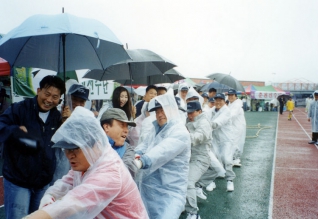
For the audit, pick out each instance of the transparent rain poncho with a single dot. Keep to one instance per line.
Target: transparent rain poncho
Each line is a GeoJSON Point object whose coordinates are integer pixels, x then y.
{"type": "Point", "coordinates": [106, 189]}
{"type": "Point", "coordinates": [313, 114]}
{"type": "Point", "coordinates": [183, 103]}
{"type": "Point", "coordinates": [163, 185]}
{"type": "Point", "coordinates": [238, 124]}
{"type": "Point", "coordinates": [193, 93]}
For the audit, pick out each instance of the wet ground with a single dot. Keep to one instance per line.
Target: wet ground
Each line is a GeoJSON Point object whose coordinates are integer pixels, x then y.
{"type": "Point", "coordinates": [252, 185]}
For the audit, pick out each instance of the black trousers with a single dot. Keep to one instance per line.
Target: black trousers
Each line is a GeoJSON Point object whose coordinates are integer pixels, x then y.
{"type": "Point", "coordinates": [314, 136]}
{"type": "Point", "coordinates": [281, 108]}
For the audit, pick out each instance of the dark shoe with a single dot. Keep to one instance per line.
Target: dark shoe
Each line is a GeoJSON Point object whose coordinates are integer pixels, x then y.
{"type": "Point", "coordinates": [311, 142]}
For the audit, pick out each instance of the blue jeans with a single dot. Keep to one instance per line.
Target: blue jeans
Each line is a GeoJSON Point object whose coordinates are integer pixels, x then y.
{"type": "Point", "coordinates": [20, 202]}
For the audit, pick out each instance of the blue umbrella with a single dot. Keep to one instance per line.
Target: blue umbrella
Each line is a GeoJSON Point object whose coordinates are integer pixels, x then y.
{"type": "Point", "coordinates": [62, 43]}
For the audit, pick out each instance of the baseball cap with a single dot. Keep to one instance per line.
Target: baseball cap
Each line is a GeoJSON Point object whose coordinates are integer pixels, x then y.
{"type": "Point", "coordinates": [231, 91]}
{"type": "Point", "coordinates": [178, 100]}
{"type": "Point", "coordinates": [211, 100]}
{"type": "Point", "coordinates": [205, 95]}
{"type": "Point", "coordinates": [185, 88]}
{"type": "Point", "coordinates": [78, 90]}
{"type": "Point", "coordinates": [64, 145]}
{"type": "Point", "coordinates": [219, 95]}
{"type": "Point", "coordinates": [117, 114]}
{"type": "Point", "coordinates": [193, 106]}
{"type": "Point", "coordinates": [193, 97]}
{"type": "Point", "coordinates": [153, 105]}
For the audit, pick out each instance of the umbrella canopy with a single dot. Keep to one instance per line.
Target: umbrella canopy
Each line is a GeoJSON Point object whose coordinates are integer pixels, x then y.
{"type": "Point", "coordinates": [228, 80]}
{"type": "Point", "coordinates": [169, 76]}
{"type": "Point", "coordinates": [144, 63]}
{"type": "Point", "coordinates": [62, 43]}
{"type": "Point", "coordinates": [4, 67]}
{"type": "Point", "coordinates": [219, 87]}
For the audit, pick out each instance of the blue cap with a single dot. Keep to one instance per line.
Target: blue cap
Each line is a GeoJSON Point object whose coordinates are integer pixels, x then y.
{"type": "Point", "coordinates": [220, 96]}
{"type": "Point", "coordinates": [156, 106]}
{"type": "Point", "coordinates": [211, 100]}
{"type": "Point", "coordinates": [193, 106]}
{"type": "Point", "coordinates": [205, 95]}
{"type": "Point", "coordinates": [178, 100]}
{"type": "Point", "coordinates": [185, 88]}
{"type": "Point", "coordinates": [231, 91]}
{"type": "Point", "coordinates": [78, 90]}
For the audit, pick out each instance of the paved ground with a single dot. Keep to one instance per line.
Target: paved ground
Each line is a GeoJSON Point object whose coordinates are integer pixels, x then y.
{"type": "Point", "coordinates": [275, 181]}
{"type": "Point", "coordinates": [251, 196]}
{"type": "Point", "coordinates": [296, 169]}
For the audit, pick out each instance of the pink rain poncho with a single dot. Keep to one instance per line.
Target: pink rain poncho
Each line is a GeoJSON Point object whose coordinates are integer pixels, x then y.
{"type": "Point", "coordinates": [106, 189]}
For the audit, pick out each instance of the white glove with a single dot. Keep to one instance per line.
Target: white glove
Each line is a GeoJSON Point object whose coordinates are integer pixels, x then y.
{"type": "Point", "coordinates": [138, 163]}
{"type": "Point", "coordinates": [46, 200]}
{"type": "Point", "coordinates": [214, 125]}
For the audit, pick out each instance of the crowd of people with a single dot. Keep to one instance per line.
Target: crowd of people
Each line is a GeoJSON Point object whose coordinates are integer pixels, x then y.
{"type": "Point", "coordinates": [148, 160]}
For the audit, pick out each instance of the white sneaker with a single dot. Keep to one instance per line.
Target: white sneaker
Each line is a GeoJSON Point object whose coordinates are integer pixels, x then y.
{"type": "Point", "coordinates": [193, 216]}
{"type": "Point", "coordinates": [200, 193]}
{"type": "Point", "coordinates": [230, 186]}
{"type": "Point", "coordinates": [237, 162]}
{"type": "Point", "coordinates": [211, 186]}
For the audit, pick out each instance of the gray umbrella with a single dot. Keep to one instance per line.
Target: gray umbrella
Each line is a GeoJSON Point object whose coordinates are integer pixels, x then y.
{"type": "Point", "coordinates": [228, 80]}
{"type": "Point", "coordinates": [169, 76]}
{"type": "Point", "coordinates": [144, 63]}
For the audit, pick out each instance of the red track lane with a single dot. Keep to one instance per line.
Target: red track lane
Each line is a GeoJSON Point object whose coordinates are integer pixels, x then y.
{"type": "Point", "coordinates": [296, 169]}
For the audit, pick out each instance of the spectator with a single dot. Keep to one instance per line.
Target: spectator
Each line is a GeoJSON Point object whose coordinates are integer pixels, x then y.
{"type": "Point", "coordinates": [98, 185]}
{"type": "Point", "coordinates": [29, 165]}
{"type": "Point", "coordinates": [182, 93]}
{"type": "Point", "coordinates": [121, 99]}
{"type": "Point", "coordinates": [212, 92]}
{"type": "Point", "coordinates": [313, 117]}
{"type": "Point", "coordinates": [290, 107]}
{"type": "Point", "coordinates": [151, 92]}
{"type": "Point", "coordinates": [161, 91]}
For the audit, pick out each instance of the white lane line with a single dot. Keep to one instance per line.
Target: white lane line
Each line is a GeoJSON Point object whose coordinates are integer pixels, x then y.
{"type": "Point", "coordinates": [271, 196]}
{"type": "Point", "coordinates": [296, 168]}
{"type": "Point", "coordinates": [302, 127]}
{"type": "Point", "coordinates": [304, 130]}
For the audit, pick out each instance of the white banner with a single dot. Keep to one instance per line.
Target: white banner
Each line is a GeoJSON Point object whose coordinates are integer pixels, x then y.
{"type": "Point", "coordinates": [99, 90]}
{"type": "Point", "coordinates": [265, 94]}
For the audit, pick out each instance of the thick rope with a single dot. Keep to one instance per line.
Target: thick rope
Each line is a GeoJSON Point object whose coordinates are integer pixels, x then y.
{"type": "Point", "coordinates": [258, 126]}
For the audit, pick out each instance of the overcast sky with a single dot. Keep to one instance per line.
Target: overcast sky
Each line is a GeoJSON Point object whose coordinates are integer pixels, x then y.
{"type": "Point", "coordinates": [271, 41]}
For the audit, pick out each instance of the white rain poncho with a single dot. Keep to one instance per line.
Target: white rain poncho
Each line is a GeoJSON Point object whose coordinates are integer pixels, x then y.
{"type": "Point", "coordinates": [193, 93]}
{"type": "Point", "coordinates": [106, 189]}
{"type": "Point", "coordinates": [308, 103]}
{"type": "Point", "coordinates": [222, 141]}
{"type": "Point", "coordinates": [313, 115]}
{"type": "Point", "coordinates": [183, 103]}
{"type": "Point", "coordinates": [163, 185]}
{"type": "Point", "coordinates": [238, 124]}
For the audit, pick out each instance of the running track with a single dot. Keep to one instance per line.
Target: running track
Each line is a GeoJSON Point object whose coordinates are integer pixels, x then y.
{"type": "Point", "coordinates": [294, 192]}
{"type": "Point", "coordinates": [295, 187]}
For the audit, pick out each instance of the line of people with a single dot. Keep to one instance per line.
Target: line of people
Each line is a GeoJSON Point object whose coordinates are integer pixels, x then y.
{"type": "Point", "coordinates": [72, 165]}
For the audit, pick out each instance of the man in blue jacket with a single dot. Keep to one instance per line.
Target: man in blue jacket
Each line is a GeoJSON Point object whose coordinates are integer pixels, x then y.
{"type": "Point", "coordinates": [26, 128]}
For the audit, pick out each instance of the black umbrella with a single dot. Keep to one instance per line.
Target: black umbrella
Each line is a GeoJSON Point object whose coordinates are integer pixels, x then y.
{"type": "Point", "coordinates": [169, 76]}
{"type": "Point", "coordinates": [144, 63]}
{"type": "Point", "coordinates": [219, 87]}
{"type": "Point", "coordinates": [228, 80]}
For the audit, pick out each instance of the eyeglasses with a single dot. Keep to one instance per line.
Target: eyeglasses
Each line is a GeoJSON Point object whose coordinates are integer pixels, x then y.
{"type": "Point", "coordinates": [73, 151]}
